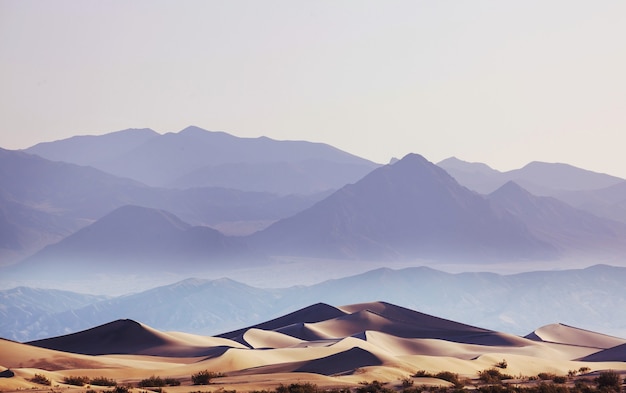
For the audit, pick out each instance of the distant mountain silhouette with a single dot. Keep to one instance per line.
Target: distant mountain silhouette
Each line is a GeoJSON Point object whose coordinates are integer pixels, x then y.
{"type": "Point", "coordinates": [410, 209]}
{"type": "Point", "coordinates": [302, 177]}
{"type": "Point", "coordinates": [23, 306]}
{"type": "Point", "coordinates": [24, 230]}
{"type": "Point", "coordinates": [137, 240]}
{"type": "Point", "coordinates": [476, 176]}
{"type": "Point", "coordinates": [608, 202]}
{"type": "Point", "coordinates": [540, 178]}
{"type": "Point", "coordinates": [515, 303]}
{"type": "Point", "coordinates": [91, 149]}
{"type": "Point", "coordinates": [569, 228]}
{"type": "Point", "coordinates": [558, 176]}
{"type": "Point", "coordinates": [195, 157]}
{"type": "Point", "coordinates": [42, 201]}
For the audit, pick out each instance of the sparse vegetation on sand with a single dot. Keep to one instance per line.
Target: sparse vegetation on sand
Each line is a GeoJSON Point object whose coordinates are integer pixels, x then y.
{"type": "Point", "coordinates": [443, 375]}
{"type": "Point", "coordinates": [41, 380]}
{"type": "Point", "coordinates": [76, 381]}
{"type": "Point", "coordinates": [103, 381]}
{"type": "Point", "coordinates": [205, 377]}
{"type": "Point", "coordinates": [493, 376]}
{"type": "Point", "coordinates": [158, 382]}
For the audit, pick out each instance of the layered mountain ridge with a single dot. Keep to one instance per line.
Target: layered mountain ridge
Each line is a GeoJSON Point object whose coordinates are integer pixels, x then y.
{"type": "Point", "coordinates": [195, 157]}
{"type": "Point", "coordinates": [514, 303]}
{"type": "Point", "coordinates": [408, 210]}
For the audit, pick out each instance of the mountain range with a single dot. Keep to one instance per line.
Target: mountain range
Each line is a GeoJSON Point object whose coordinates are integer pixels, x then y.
{"type": "Point", "coordinates": [406, 211]}
{"type": "Point", "coordinates": [590, 298]}
{"type": "Point", "coordinates": [539, 178]}
{"type": "Point", "coordinates": [597, 193]}
{"type": "Point", "coordinates": [134, 209]}
{"type": "Point", "coordinates": [195, 157]}
{"type": "Point", "coordinates": [410, 209]}
{"type": "Point", "coordinates": [43, 201]}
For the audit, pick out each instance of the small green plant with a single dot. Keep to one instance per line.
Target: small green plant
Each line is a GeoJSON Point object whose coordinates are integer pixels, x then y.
{"type": "Point", "coordinates": [76, 381]}
{"type": "Point", "coordinates": [41, 379]}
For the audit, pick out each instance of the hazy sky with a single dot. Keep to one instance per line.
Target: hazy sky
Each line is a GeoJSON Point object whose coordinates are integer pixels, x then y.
{"type": "Point", "coordinates": [500, 82]}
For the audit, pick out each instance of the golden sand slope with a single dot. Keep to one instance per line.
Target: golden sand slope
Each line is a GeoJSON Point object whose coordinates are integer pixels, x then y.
{"type": "Point", "coordinates": [321, 344]}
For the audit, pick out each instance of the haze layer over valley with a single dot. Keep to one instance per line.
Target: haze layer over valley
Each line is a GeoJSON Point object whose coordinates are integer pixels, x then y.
{"type": "Point", "coordinates": [68, 221]}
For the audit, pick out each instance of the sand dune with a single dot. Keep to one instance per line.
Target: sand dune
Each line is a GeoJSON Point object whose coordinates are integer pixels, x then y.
{"type": "Point", "coordinates": [563, 334]}
{"type": "Point", "coordinates": [322, 344]}
{"type": "Point", "coordinates": [615, 354]}
{"type": "Point", "coordinates": [130, 337]}
{"type": "Point", "coordinates": [314, 313]}
{"type": "Point", "coordinates": [258, 338]}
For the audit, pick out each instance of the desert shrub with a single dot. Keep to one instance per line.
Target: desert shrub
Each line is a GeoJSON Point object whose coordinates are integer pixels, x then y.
{"type": "Point", "coordinates": [407, 382]}
{"type": "Point", "coordinates": [297, 388]}
{"type": "Point", "coordinates": [609, 381]}
{"type": "Point", "coordinates": [171, 382]}
{"type": "Point", "coordinates": [546, 376]}
{"type": "Point", "coordinates": [559, 379]}
{"type": "Point", "coordinates": [493, 375]}
{"type": "Point", "coordinates": [204, 377]}
{"type": "Point", "coordinates": [494, 389]}
{"type": "Point", "coordinates": [422, 373]}
{"type": "Point", "coordinates": [121, 389]}
{"type": "Point", "coordinates": [373, 387]}
{"type": "Point", "coordinates": [551, 388]}
{"type": "Point", "coordinates": [158, 382]}
{"type": "Point", "coordinates": [76, 381]}
{"type": "Point", "coordinates": [582, 386]}
{"type": "Point", "coordinates": [503, 364]}
{"type": "Point", "coordinates": [153, 381]}
{"type": "Point", "coordinates": [41, 379]}
{"type": "Point", "coordinates": [103, 381]}
{"type": "Point", "coordinates": [450, 377]}
{"type": "Point", "coordinates": [583, 370]}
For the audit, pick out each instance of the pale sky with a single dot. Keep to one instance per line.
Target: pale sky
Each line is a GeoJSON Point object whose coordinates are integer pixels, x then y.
{"type": "Point", "coordinates": [499, 82]}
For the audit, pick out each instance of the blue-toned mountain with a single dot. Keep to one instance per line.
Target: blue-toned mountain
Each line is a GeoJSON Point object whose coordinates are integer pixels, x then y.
{"type": "Point", "coordinates": [410, 209]}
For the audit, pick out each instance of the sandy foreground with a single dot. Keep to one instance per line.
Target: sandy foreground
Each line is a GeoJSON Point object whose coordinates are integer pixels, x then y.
{"type": "Point", "coordinates": [330, 347]}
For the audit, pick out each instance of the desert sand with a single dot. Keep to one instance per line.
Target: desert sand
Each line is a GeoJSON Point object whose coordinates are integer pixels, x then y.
{"type": "Point", "coordinates": [321, 344]}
